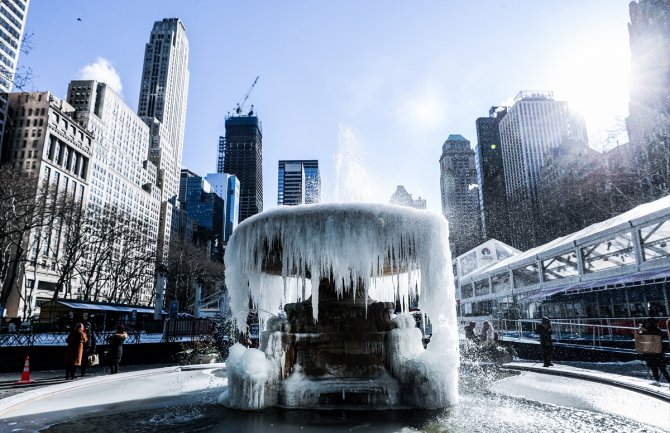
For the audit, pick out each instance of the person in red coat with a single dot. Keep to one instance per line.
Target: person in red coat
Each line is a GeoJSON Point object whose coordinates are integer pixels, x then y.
{"type": "Point", "coordinates": [75, 350]}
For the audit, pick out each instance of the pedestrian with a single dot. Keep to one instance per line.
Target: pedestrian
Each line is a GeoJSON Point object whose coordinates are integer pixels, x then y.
{"type": "Point", "coordinates": [470, 332]}
{"type": "Point", "coordinates": [487, 332]}
{"type": "Point", "coordinates": [75, 350]}
{"type": "Point", "coordinates": [546, 344]}
{"type": "Point", "coordinates": [115, 352]}
{"type": "Point", "coordinates": [89, 347]}
{"type": "Point", "coordinates": [655, 360]}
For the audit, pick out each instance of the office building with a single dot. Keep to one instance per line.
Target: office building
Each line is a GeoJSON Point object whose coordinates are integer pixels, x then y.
{"type": "Point", "coordinates": [227, 186]}
{"type": "Point", "coordinates": [299, 182]}
{"type": "Point", "coordinates": [402, 198]}
{"type": "Point", "coordinates": [491, 176]}
{"type": "Point", "coordinates": [242, 150]}
{"type": "Point", "coordinates": [535, 124]}
{"type": "Point", "coordinates": [44, 139]}
{"type": "Point", "coordinates": [162, 106]}
{"type": "Point", "coordinates": [13, 15]}
{"type": "Point", "coordinates": [460, 198]}
{"type": "Point", "coordinates": [204, 207]}
{"type": "Point", "coordinates": [123, 180]}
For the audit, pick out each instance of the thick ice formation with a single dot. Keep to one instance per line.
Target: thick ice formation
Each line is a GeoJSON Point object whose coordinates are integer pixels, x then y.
{"type": "Point", "coordinates": [348, 242]}
{"type": "Point", "coordinates": [395, 253]}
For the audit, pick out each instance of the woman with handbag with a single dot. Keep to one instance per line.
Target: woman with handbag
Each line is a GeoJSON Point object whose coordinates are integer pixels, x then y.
{"type": "Point", "coordinates": [75, 350]}
{"type": "Point", "coordinates": [89, 355]}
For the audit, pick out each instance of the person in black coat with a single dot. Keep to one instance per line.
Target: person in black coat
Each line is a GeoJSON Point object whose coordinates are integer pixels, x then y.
{"type": "Point", "coordinates": [89, 347]}
{"type": "Point", "coordinates": [546, 343]}
{"type": "Point", "coordinates": [655, 361]}
{"type": "Point", "coordinates": [115, 352]}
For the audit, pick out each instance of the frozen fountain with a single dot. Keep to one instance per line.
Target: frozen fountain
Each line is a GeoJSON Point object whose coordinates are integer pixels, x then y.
{"type": "Point", "coordinates": [339, 271]}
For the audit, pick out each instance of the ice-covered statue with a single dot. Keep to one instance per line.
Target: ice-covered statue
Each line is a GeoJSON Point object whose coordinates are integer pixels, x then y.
{"type": "Point", "coordinates": [339, 271]}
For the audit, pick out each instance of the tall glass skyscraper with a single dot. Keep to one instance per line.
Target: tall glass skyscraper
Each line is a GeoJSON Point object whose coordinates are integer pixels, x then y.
{"type": "Point", "coordinates": [298, 182]}
{"type": "Point", "coordinates": [227, 186]}
{"type": "Point", "coordinates": [162, 106]}
{"type": "Point", "coordinates": [242, 150]}
{"type": "Point", "coordinates": [13, 14]}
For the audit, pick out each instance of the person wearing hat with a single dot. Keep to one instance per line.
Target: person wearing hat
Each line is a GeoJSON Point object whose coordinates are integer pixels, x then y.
{"type": "Point", "coordinates": [655, 361]}
{"type": "Point", "coordinates": [545, 332]}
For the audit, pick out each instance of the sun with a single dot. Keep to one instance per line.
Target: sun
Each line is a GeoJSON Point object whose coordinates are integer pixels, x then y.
{"type": "Point", "coordinates": [594, 78]}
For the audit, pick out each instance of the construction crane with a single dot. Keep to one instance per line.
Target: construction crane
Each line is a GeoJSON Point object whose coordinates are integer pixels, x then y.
{"type": "Point", "coordinates": [240, 105]}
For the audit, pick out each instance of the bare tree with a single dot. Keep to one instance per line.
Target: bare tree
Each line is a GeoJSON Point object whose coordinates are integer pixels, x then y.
{"type": "Point", "coordinates": [189, 265]}
{"type": "Point", "coordinates": [27, 208]}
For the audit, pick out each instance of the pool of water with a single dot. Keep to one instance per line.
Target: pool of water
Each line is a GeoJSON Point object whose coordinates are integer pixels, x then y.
{"type": "Point", "coordinates": [527, 402]}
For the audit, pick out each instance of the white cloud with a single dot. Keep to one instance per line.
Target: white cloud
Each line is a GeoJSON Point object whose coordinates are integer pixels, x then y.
{"type": "Point", "coordinates": [103, 71]}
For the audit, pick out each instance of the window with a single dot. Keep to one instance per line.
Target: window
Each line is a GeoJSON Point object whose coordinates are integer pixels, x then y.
{"type": "Point", "coordinates": [612, 253]}
{"type": "Point", "coordinates": [655, 241]}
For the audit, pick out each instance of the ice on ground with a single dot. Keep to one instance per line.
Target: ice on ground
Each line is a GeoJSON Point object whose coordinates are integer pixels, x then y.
{"type": "Point", "coordinates": [252, 379]}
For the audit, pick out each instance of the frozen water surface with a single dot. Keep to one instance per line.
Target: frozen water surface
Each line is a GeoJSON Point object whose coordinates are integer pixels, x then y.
{"type": "Point", "coordinates": [521, 403]}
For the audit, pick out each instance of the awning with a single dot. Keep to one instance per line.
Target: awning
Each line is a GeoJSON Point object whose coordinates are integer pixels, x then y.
{"type": "Point", "coordinates": [105, 307]}
{"type": "Point", "coordinates": [600, 283]}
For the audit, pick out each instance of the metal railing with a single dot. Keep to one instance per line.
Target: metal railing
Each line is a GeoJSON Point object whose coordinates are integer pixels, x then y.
{"type": "Point", "coordinates": [598, 332]}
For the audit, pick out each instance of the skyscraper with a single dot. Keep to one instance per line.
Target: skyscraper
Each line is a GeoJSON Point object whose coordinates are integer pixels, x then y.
{"type": "Point", "coordinates": [162, 106]}
{"type": "Point", "coordinates": [460, 199]}
{"type": "Point", "coordinates": [12, 22]}
{"type": "Point", "coordinates": [535, 124]}
{"type": "Point", "coordinates": [242, 150]}
{"type": "Point", "coordinates": [123, 179]}
{"type": "Point", "coordinates": [298, 182]}
{"type": "Point", "coordinates": [491, 176]}
{"type": "Point", "coordinates": [649, 105]}
{"type": "Point", "coordinates": [227, 186]}
{"type": "Point", "coordinates": [206, 208]}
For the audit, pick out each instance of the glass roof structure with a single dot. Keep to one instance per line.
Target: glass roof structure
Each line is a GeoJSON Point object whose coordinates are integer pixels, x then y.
{"type": "Point", "coordinates": [632, 246]}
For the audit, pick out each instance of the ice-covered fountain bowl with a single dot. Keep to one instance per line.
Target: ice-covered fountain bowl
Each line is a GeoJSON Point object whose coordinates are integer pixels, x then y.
{"type": "Point", "coordinates": [345, 276]}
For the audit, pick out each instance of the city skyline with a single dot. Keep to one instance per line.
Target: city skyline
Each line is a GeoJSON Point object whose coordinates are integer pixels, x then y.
{"type": "Point", "coordinates": [401, 85]}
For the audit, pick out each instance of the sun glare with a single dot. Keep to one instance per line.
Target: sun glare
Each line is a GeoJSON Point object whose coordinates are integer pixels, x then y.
{"type": "Point", "coordinates": [594, 80]}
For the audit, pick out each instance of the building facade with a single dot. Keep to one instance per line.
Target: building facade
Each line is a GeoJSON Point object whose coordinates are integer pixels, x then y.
{"type": "Point", "coordinates": [535, 124]}
{"type": "Point", "coordinates": [491, 176]}
{"type": "Point", "coordinates": [162, 106]}
{"type": "Point", "coordinates": [402, 198]}
{"type": "Point", "coordinates": [123, 179]}
{"type": "Point", "coordinates": [44, 140]}
{"type": "Point", "coordinates": [13, 15]}
{"type": "Point", "coordinates": [460, 198]}
{"type": "Point", "coordinates": [227, 186]}
{"type": "Point", "coordinates": [204, 206]}
{"type": "Point", "coordinates": [298, 182]}
{"type": "Point", "coordinates": [242, 149]}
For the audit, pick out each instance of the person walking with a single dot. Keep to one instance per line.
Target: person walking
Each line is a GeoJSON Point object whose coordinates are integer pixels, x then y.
{"type": "Point", "coordinates": [546, 343]}
{"type": "Point", "coordinates": [656, 359]}
{"type": "Point", "coordinates": [89, 347]}
{"type": "Point", "coordinates": [115, 352]}
{"type": "Point", "coordinates": [75, 350]}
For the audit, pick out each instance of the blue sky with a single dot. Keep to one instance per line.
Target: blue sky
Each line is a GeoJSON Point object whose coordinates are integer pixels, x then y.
{"type": "Point", "coordinates": [370, 88]}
